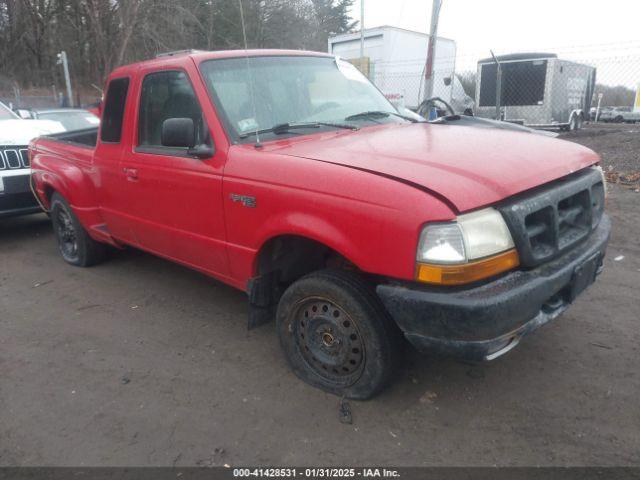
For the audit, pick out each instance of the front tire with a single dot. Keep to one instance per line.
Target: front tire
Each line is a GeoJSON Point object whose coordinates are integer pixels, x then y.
{"type": "Point", "coordinates": [337, 335]}
{"type": "Point", "coordinates": [74, 243]}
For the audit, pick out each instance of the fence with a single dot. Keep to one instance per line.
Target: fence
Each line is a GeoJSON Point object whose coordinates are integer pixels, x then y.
{"type": "Point", "coordinates": [556, 90]}
{"type": "Point", "coordinates": [39, 98]}
{"type": "Point", "coordinates": [30, 101]}
{"type": "Point", "coordinates": [544, 90]}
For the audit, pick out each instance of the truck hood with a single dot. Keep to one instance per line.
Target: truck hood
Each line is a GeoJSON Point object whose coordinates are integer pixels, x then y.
{"type": "Point", "coordinates": [21, 132]}
{"type": "Point", "coordinates": [470, 167]}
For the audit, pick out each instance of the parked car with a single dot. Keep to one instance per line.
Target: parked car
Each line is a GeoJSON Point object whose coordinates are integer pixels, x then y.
{"type": "Point", "coordinates": [70, 118]}
{"type": "Point", "coordinates": [15, 193]}
{"type": "Point", "coordinates": [619, 115]}
{"type": "Point", "coordinates": [287, 175]}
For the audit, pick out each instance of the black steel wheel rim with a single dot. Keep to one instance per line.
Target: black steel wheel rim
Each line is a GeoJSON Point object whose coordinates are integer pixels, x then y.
{"type": "Point", "coordinates": [66, 233]}
{"type": "Point", "coordinates": [328, 340]}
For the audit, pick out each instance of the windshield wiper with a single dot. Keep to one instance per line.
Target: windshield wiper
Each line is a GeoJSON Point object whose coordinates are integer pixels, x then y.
{"type": "Point", "coordinates": [378, 114]}
{"type": "Point", "coordinates": [282, 128]}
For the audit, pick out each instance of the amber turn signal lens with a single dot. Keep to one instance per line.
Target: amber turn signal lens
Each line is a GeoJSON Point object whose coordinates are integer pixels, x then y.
{"type": "Point", "coordinates": [467, 272]}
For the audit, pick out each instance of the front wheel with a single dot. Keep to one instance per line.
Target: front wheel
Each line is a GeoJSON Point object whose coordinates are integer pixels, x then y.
{"type": "Point", "coordinates": [74, 243]}
{"type": "Point", "coordinates": [337, 335]}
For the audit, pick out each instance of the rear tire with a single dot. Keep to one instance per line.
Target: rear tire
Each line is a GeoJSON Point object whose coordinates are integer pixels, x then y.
{"type": "Point", "coordinates": [337, 335]}
{"type": "Point", "coordinates": [74, 243]}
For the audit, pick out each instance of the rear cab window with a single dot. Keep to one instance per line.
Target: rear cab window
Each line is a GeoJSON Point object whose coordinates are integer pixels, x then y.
{"type": "Point", "coordinates": [112, 118]}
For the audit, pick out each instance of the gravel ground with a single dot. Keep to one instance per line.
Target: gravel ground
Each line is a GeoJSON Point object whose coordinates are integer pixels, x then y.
{"type": "Point", "coordinates": [619, 146]}
{"type": "Point", "coordinates": [142, 362]}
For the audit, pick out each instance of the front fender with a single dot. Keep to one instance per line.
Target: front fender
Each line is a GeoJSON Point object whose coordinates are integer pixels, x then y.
{"type": "Point", "coordinates": [312, 227]}
{"type": "Point", "coordinates": [371, 220]}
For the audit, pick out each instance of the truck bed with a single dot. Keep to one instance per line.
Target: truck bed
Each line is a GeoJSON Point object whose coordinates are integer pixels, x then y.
{"type": "Point", "coordinates": [86, 138]}
{"type": "Point", "coordinates": [70, 148]}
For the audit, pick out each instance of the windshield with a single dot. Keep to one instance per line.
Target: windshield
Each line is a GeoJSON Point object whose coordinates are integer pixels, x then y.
{"type": "Point", "coordinates": [6, 114]}
{"type": "Point", "coordinates": [292, 90]}
{"type": "Point", "coordinates": [72, 120]}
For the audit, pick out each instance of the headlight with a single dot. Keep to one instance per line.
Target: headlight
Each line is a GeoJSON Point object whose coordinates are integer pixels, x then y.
{"type": "Point", "coordinates": [477, 245]}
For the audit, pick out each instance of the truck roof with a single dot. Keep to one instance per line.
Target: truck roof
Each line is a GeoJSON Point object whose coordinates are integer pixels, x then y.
{"type": "Point", "coordinates": [201, 55]}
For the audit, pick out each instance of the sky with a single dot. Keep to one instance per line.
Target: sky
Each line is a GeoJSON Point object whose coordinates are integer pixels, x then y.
{"type": "Point", "coordinates": [575, 29]}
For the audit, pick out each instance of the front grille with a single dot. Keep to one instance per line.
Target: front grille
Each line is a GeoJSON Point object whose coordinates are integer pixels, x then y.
{"type": "Point", "coordinates": [13, 158]}
{"type": "Point", "coordinates": [554, 218]}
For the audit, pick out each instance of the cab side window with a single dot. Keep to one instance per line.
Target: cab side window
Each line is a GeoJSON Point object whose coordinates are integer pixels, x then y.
{"type": "Point", "coordinates": [165, 95]}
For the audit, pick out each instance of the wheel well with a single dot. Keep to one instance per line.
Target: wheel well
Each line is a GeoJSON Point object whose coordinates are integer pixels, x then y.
{"type": "Point", "coordinates": [280, 262]}
{"type": "Point", "coordinates": [294, 256]}
{"type": "Point", "coordinates": [48, 193]}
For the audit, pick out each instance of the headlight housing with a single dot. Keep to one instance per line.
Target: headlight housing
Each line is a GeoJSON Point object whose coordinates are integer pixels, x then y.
{"type": "Point", "coordinates": [476, 246]}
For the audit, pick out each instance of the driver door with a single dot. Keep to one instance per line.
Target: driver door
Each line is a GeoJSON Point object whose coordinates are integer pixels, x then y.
{"type": "Point", "coordinates": [174, 199]}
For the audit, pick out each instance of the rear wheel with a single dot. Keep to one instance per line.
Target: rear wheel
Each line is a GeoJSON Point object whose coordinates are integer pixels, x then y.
{"type": "Point", "coordinates": [74, 243]}
{"type": "Point", "coordinates": [337, 335]}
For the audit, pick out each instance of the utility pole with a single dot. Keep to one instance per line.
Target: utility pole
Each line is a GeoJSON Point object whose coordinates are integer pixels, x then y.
{"type": "Point", "coordinates": [362, 30]}
{"type": "Point", "coordinates": [431, 50]}
{"type": "Point", "coordinates": [62, 60]}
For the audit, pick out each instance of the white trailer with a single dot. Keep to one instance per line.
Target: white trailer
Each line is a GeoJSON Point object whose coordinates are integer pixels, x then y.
{"type": "Point", "coordinates": [397, 60]}
{"type": "Point", "coordinates": [536, 89]}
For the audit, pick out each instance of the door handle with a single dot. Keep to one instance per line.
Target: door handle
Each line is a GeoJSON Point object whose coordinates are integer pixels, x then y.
{"type": "Point", "coordinates": [131, 173]}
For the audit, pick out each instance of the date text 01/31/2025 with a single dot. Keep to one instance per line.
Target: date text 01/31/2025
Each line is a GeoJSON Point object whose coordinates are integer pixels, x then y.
{"type": "Point", "coordinates": [315, 473]}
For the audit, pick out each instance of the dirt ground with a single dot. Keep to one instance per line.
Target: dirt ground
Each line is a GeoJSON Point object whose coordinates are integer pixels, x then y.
{"type": "Point", "coordinates": [619, 146]}
{"type": "Point", "coordinates": [142, 362]}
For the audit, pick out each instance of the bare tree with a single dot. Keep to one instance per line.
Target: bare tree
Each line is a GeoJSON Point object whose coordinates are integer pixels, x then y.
{"type": "Point", "coordinates": [99, 35]}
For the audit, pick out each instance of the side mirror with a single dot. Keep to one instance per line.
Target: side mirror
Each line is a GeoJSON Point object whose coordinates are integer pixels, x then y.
{"type": "Point", "coordinates": [447, 81]}
{"type": "Point", "coordinates": [178, 132]}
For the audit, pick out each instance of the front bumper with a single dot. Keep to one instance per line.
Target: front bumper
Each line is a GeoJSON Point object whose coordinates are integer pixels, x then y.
{"type": "Point", "coordinates": [15, 194]}
{"type": "Point", "coordinates": [486, 321]}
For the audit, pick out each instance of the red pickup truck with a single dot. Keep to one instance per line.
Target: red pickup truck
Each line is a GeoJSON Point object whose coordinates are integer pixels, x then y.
{"type": "Point", "coordinates": [289, 176]}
